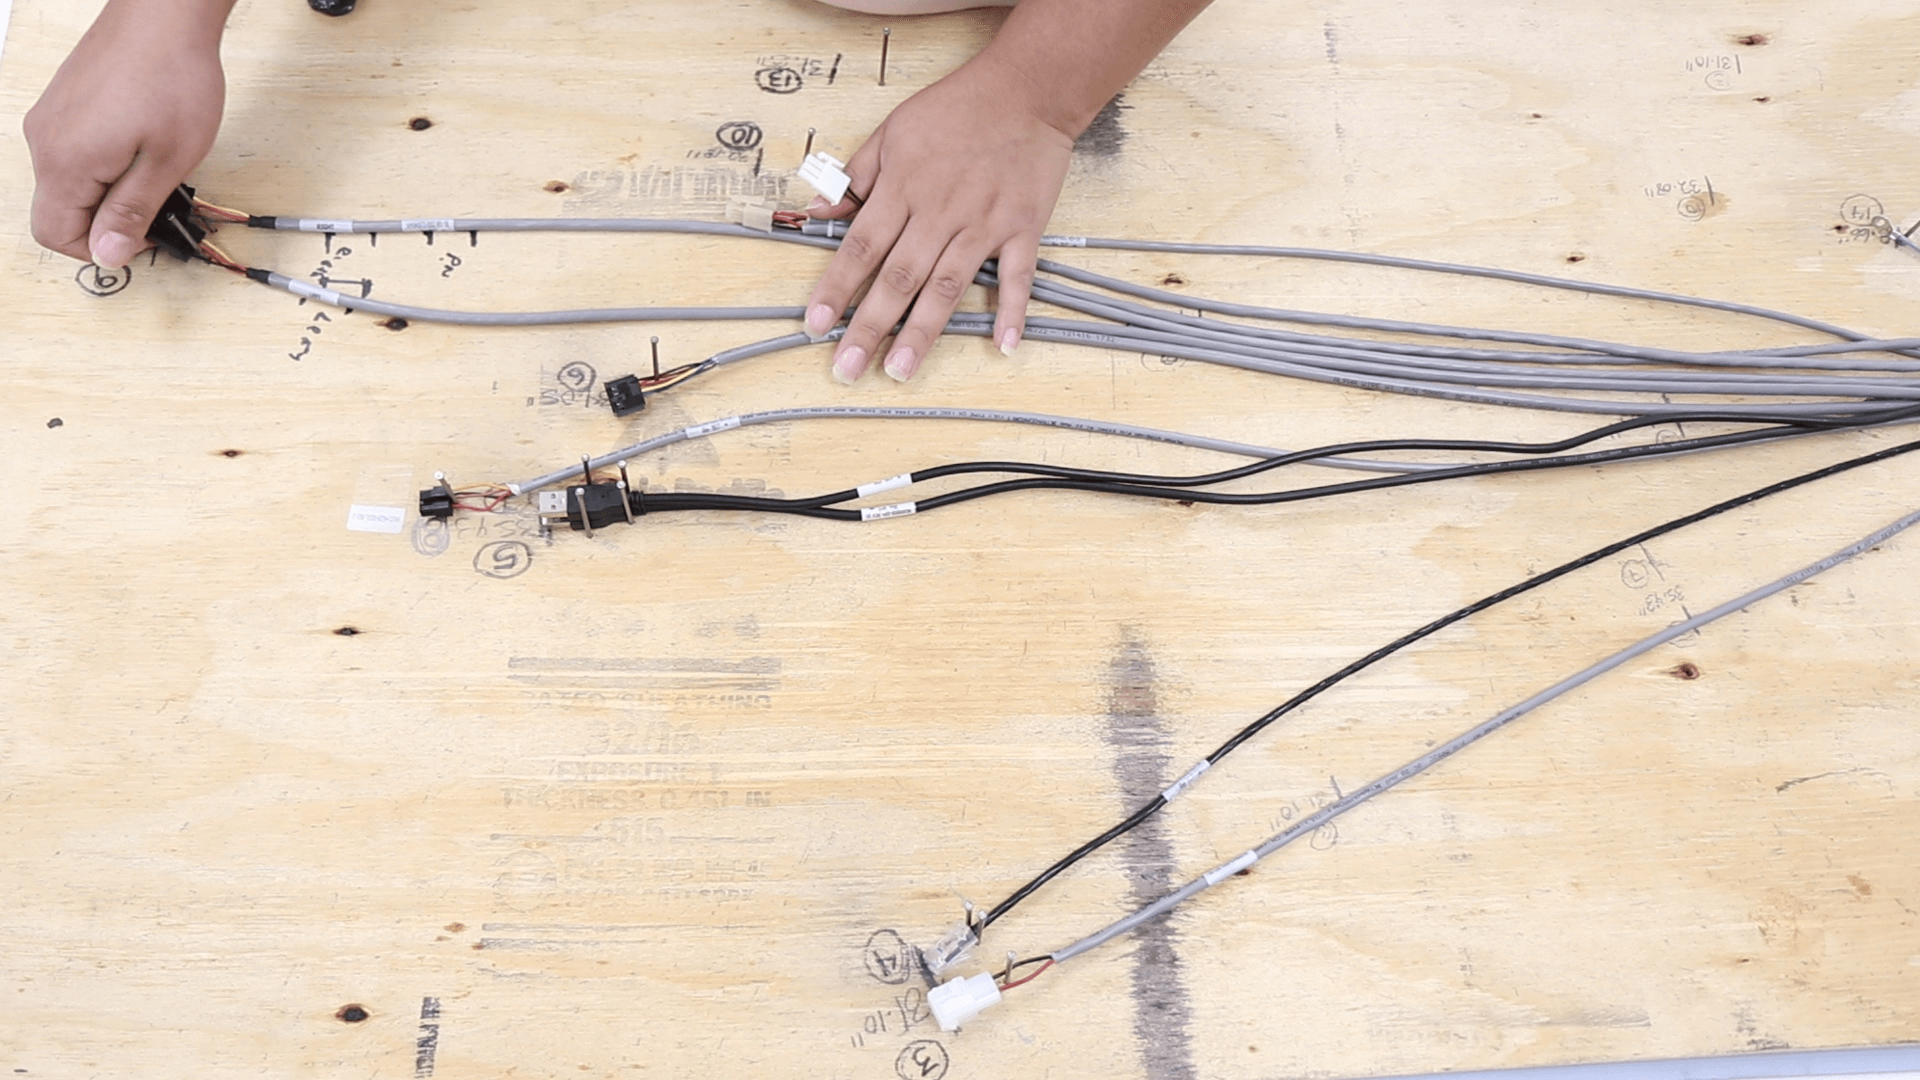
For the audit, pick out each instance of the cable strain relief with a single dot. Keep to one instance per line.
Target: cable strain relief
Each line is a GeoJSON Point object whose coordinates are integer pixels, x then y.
{"type": "Point", "coordinates": [261, 276]}
{"type": "Point", "coordinates": [637, 499]}
{"type": "Point", "coordinates": [262, 221]}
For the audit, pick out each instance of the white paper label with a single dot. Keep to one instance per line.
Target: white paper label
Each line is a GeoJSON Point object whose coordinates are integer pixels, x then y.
{"type": "Point", "coordinates": [708, 428]}
{"type": "Point", "coordinates": [1064, 241]}
{"type": "Point", "coordinates": [881, 513]}
{"type": "Point", "coordinates": [324, 225]}
{"type": "Point", "coordinates": [1174, 789]}
{"type": "Point", "coordinates": [325, 296]}
{"type": "Point", "coordinates": [889, 484]}
{"type": "Point", "coordinates": [434, 224]}
{"type": "Point", "coordinates": [1220, 873]}
{"type": "Point", "coordinates": [375, 519]}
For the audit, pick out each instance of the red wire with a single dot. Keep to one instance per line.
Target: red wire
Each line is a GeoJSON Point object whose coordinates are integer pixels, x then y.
{"type": "Point", "coordinates": [1022, 982]}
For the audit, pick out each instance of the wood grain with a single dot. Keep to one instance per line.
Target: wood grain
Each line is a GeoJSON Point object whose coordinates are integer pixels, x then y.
{"type": "Point", "coordinates": [642, 808]}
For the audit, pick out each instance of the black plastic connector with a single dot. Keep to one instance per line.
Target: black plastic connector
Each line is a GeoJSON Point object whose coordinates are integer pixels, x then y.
{"type": "Point", "coordinates": [599, 505]}
{"type": "Point", "coordinates": [624, 395]}
{"type": "Point", "coordinates": [335, 8]}
{"type": "Point", "coordinates": [586, 507]}
{"type": "Point", "coordinates": [174, 229]}
{"type": "Point", "coordinates": [437, 502]}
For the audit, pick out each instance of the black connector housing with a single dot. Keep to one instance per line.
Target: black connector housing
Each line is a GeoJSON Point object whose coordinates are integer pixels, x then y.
{"type": "Point", "coordinates": [336, 8]}
{"type": "Point", "coordinates": [437, 502]}
{"type": "Point", "coordinates": [174, 229]}
{"type": "Point", "coordinates": [586, 507]}
{"type": "Point", "coordinates": [624, 396]}
{"type": "Point", "coordinates": [599, 505]}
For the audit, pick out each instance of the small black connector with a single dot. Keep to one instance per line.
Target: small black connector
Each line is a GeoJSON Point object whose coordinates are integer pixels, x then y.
{"type": "Point", "coordinates": [624, 396]}
{"type": "Point", "coordinates": [173, 227]}
{"type": "Point", "coordinates": [335, 8]}
{"type": "Point", "coordinates": [437, 502]}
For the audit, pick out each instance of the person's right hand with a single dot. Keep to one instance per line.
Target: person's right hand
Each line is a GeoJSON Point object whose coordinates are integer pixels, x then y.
{"type": "Point", "coordinates": [125, 119]}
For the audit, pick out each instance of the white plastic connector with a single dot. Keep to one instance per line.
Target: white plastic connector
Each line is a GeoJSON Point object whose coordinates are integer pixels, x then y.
{"type": "Point", "coordinates": [959, 1000]}
{"type": "Point", "coordinates": [827, 174]}
{"type": "Point", "coordinates": [951, 948]}
{"type": "Point", "coordinates": [752, 213]}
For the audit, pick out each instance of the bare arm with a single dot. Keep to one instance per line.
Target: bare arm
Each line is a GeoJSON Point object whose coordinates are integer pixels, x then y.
{"type": "Point", "coordinates": [971, 167]}
{"type": "Point", "coordinates": [128, 115]}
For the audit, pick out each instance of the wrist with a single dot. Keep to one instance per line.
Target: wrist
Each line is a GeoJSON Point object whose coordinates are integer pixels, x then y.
{"type": "Point", "coordinates": [1018, 86]}
{"type": "Point", "coordinates": [191, 22]}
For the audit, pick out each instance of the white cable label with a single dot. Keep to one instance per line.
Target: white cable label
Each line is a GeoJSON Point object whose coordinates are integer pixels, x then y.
{"type": "Point", "coordinates": [711, 426]}
{"type": "Point", "coordinates": [891, 483]}
{"type": "Point", "coordinates": [1220, 873]}
{"type": "Point", "coordinates": [324, 225]}
{"type": "Point", "coordinates": [432, 224]}
{"type": "Point", "coordinates": [1174, 789]}
{"type": "Point", "coordinates": [375, 519]}
{"type": "Point", "coordinates": [315, 292]}
{"type": "Point", "coordinates": [1063, 241]}
{"type": "Point", "coordinates": [881, 513]}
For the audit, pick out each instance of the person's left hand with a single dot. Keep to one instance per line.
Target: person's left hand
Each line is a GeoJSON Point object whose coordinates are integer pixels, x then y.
{"type": "Point", "coordinates": [961, 171]}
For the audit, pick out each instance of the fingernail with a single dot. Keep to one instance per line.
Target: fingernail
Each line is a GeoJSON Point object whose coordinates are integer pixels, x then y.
{"type": "Point", "coordinates": [850, 362]}
{"type": "Point", "coordinates": [819, 320]}
{"type": "Point", "coordinates": [1009, 341]}
{"type": "Point", "coordinates": [819, 203]}
{"type": "Point", "coordinates": [901, 364]}
{"type": "Point", "coordinates": [112, 251]}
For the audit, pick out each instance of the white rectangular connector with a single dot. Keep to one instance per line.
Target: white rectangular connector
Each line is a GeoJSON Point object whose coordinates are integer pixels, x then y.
{"type": "Point", "coordinates": [827, 174]}
{"type": "Point", "coordinates": [959, 1000]}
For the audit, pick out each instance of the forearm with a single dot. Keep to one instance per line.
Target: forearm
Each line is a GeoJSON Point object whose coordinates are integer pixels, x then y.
{"type": "Point", "coordinates": [1068, 58]}
{"type": "Point", "coordinates": [186, 21]}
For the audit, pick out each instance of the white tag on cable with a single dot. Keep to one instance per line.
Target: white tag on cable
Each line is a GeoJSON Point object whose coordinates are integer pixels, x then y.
{"type": "Point", "coordinates": [315, 292]}
{"type": "Point", "coordinates": [436, 224]}
{"type": "Point", "coordinates": [324, 225]}
{"type": "Point", "coordinates": [891, 483]}
{"type": "Point", "coordinates": [1174, 789]}
{"type": "Point", "coordinates": [1226, 870]}
{"type": "Point", "coordinates": [881, 513]}
{"type": "Point", "coordinates": [1063, 241]}
{"type": "Point", "coordinates": [375, 519]}
{"type": "Point", "coordinates": [711, 426]}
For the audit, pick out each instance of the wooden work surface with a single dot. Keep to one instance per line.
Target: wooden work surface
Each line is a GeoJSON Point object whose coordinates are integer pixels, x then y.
{"type": "Point", "coordinates": [661, 802]}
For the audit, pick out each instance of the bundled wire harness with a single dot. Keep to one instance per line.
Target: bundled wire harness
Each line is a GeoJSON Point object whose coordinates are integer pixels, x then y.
{"type": "Point", "coordinates": [1848, 380]}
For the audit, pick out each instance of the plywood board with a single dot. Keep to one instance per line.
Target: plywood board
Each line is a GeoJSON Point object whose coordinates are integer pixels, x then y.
{"type": "Point", "coordinates": [668, 801]}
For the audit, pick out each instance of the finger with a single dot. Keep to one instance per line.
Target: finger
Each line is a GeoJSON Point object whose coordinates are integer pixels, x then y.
{"type": "Point", "coordinates": [863, 169]}
{"type": "Point", "coordinates": [126, 213]}
{"type": "Point", "coordinates": [1018, 257]}
{"type": "Point", "coordinates": [893, 290]}
{"type": "Point", "coordinates": [938, 298]}
{"type": "Point", "coordinates": [868, 241]}
{"type": "Point", "coordinates": [63, 215]}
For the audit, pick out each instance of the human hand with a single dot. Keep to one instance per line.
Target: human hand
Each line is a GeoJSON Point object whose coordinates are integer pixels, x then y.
{"type": "Point", "coordinates": [961, 171]}
{"type": "Point", "coordinates": [129, 114]}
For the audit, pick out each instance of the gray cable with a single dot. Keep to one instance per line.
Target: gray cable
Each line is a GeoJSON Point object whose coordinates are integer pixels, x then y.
{"type": "Point", "coordinates": [1307, 825]}
{"type": "Point", "coordinates": [1003, 416]}
{"type": "Point", "coordinates": [1767, 1065]}
{"type": "Point", "coordinates": [530, 318]}
{"type": "Point", "coordinates": [1402, 263]}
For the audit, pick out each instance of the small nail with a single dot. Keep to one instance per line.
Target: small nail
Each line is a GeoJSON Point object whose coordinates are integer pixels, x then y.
{"type": "Point", "coordinates": [1009, 341]}
{"type": "Point", "coordinates": [849, 364]}
{"type": "Point", "coordinates": [819, 320]}
{"type": "Point", "coordinates": [901, 364]}
{"type": "Point", "coordinates": [112, 251]}
{"type": "Point", "coordinates": [819, 203]}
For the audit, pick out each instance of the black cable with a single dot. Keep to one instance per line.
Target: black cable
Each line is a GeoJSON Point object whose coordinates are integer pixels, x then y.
{"type": "Point", "coordinates": [1153, 806]}
{"type": "Point", "coordinates": [820, 506]}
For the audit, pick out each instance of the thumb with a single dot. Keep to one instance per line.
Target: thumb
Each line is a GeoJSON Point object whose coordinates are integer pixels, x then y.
{"type": "Point", "coordinates": [120, 225]}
